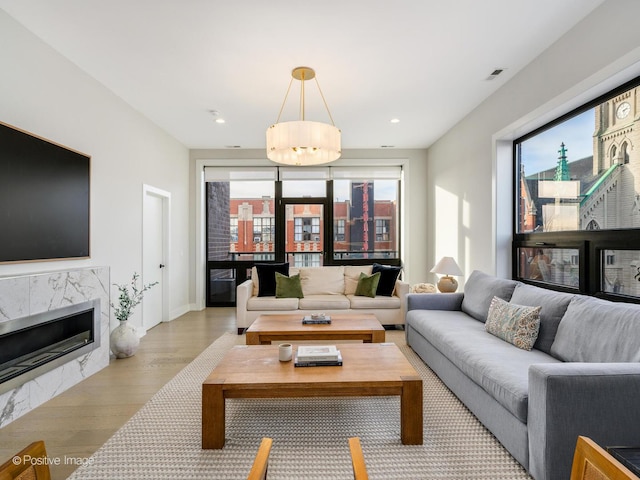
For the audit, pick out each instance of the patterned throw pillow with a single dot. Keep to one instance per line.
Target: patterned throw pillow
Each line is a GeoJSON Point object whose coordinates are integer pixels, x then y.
{"type": "Point", "coordinates": [516, 324]}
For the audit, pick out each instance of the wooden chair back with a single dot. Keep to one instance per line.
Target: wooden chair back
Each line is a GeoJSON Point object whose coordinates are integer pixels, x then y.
{"type": "Point", "coordinates": [261, 462]}
{"type": "Point", "coordinates": [592, 462]}
{"type": "Point", "coordinates": [28, 464]}
{"type": "Point", "coordinates": [357, 459]}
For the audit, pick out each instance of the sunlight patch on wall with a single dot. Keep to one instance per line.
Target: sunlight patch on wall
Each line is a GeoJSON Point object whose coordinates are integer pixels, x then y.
{"type": "Point", "coordinates": [447, 210]}
{"type": "Point", "coordinates": [466, 214]}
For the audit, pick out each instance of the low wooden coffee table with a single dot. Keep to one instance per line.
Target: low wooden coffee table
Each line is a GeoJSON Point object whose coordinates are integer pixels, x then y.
{"type": "Point", "coordinates": [254, 371]}
{"type": "Point", "coordinates": [347, 326]}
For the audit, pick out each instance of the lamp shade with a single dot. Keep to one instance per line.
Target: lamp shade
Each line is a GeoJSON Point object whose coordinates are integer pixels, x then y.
{"type": "Point", "coordinates": [447, 266]}
{"type": "Point", "coordinates": [303, 142]}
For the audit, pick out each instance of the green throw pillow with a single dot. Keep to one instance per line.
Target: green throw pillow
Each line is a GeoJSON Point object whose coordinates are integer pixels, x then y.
{"type": "Point", "coordinates": [367, 285]}
{"type": "Point", "coordinates": [288, 287]}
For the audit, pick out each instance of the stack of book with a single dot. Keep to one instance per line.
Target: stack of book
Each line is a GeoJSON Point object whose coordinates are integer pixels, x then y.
{"type": "Point", "coordinates": [316, 319]}
{"type": "Point", "coordinates": [318, 356]}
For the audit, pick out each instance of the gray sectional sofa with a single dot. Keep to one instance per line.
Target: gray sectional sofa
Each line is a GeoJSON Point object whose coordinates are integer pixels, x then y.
{"type": "Point", "coordinates": [582, 376]}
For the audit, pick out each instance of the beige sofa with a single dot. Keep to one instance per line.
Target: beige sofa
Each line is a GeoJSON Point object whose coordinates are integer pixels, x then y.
{"type": "Point", "coordinates": [326, 289]}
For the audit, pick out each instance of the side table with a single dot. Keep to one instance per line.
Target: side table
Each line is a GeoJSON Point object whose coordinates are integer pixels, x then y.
{"type": "Point", "coordinates": [628, 456]}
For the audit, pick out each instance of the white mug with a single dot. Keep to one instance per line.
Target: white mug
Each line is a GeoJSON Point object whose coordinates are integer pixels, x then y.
{"type": "Point", "coordinates": [285, 352]}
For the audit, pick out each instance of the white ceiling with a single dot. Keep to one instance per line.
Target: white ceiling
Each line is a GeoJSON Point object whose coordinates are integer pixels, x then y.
{"type": "Point", "coordinates": [425, 62]}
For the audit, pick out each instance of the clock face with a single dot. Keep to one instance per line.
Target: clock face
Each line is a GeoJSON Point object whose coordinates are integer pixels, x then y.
{"type": "Point", "coordinates": [623, 110]}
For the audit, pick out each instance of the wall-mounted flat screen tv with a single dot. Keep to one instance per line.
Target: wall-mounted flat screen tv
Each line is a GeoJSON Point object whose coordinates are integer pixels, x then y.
{"type": "Point", "coordinates": [44, 199]}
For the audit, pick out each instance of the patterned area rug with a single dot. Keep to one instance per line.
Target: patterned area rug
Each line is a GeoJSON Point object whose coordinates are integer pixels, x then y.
{"type": "Point", "coordinates": [162, 440]}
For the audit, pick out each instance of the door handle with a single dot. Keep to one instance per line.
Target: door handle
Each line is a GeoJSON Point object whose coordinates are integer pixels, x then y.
{"type": "Point", "coordinates": [162, 265]}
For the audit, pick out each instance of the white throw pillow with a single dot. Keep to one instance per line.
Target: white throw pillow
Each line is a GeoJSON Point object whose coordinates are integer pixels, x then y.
{"type": "Point", "coordinates": [351, 276]}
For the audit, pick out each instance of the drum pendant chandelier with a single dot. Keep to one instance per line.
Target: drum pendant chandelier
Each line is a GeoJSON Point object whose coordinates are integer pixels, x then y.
{"type": "Point", "coordinates": [303, 142]}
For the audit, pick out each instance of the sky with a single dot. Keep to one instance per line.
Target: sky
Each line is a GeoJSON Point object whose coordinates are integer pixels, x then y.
{"type": "Point", "coordinates": [541, 152]}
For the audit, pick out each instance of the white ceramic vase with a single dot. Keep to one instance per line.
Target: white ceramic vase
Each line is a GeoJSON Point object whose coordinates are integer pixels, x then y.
{"type": "Point", "coordinates": [124, 341]}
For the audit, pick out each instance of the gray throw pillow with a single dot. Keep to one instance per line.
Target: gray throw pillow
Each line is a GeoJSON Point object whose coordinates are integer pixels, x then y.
{"type": "Point", "coordinates": [596, 330]}
{"type": "Point", "coordinates": [554, 305]}
{"type": "Point", "coordinates": [480, 289]}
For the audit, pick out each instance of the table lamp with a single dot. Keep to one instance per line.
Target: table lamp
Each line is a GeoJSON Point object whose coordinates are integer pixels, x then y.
{"type": "Point", "coordinates": [447, 266]}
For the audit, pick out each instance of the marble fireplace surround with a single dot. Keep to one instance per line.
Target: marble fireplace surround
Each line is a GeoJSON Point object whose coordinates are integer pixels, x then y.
{"type": "Point", "coordinates": [24, 295]}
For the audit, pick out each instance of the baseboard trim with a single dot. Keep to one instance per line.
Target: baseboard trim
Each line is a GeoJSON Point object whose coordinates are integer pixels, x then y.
{"type": "Point", "coordinates": [178, 312]}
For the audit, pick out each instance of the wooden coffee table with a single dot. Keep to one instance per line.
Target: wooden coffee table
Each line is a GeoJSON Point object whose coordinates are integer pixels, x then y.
{"type": "Point", "coordinates": [346, 326]}
{"type": "Point", "coordinates": [254, 371]}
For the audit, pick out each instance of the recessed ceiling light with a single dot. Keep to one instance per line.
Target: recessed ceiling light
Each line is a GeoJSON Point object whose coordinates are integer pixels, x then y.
{"type": "Point", "coordinates": [395, 120]}
{"type": "Point", "coordinates": [216, 114]}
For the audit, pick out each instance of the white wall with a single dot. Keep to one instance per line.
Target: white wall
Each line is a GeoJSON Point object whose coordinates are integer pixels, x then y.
{"type": "Point", "coordinates": [414, 226]}
{"type": "Point", "coordinates": [469, 175]}
{"type": "Point", "coordinates": [45, 94]}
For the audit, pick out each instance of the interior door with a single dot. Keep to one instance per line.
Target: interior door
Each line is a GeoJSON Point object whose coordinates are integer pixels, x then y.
{"type": "Point", "coordinates": [154, 258]}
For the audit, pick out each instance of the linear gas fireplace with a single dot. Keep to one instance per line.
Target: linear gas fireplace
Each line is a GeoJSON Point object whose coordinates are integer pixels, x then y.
{"type": "Point", "coordinates": [31, 346]}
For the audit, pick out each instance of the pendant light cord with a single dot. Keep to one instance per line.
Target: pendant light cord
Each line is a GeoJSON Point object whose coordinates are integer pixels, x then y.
{"type": "Point", "coordinates": [284, 101]}
{"type": "Point", "coordinates": [302, 100]}
{"type": "Point", "coordinates": [325, 102]}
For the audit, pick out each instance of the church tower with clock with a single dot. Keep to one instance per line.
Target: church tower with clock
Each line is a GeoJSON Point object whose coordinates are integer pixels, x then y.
{"type": "Point", "coordinates": [613, 198]}
{"type": "Point", "coordinates": [617, 131]}
{"type": "Point", "coordinates": [616, 162]}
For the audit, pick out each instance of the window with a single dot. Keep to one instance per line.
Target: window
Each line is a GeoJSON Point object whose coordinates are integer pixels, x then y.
{"type": "Point", "coordinates": [233, 229]}
{"type": "Point", "coordinates": [304, 182]}
{"type": "Point", "coordinates": [558, 266]}
{"type": "Point", "coordinates": [338, 231]}
{"type": "Point", "coordinates": [307, 260]}
{"type": "Point", "coordinates": [621, 272]}
{"type": "Point", "coordinates": [592, 225]}
{"type": "Point", "coordinates": [625, 154]}
{"type": "Point", "coordinates": [263, 229]}
{"type": "Point", "coordinates": [571, 172]}
{"type": "Point", "coordinates": [240, 209]}
{"type": "Point", "coordinates": [578, 183]}
{"type": "Point", "coordinates": [304, 216]}
{"type": "Point", "coordinates": [306, 229]}
{"type": "Point", "coordinates": [382, 230]}
{"type": "Point", "coordinates": [239, 214]}
{"type": "Point", "coordinates": [366, 206]}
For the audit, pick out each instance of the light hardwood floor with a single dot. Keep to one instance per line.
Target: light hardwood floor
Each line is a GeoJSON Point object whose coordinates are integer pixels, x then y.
{"type": "Point", "coordinates": [77, 422]}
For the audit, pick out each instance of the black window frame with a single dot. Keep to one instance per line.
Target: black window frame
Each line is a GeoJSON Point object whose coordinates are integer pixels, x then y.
{"type": "Point", "coordinates": [241, 268]}
{"type": "Point", "coordinates": [590, 243]}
